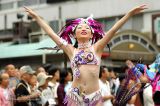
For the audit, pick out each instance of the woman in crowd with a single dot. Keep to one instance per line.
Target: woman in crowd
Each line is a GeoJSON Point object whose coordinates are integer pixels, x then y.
{"type": "Point", "coordinates": [65, 77]}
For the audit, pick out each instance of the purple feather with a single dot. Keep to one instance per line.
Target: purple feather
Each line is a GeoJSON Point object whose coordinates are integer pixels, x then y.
{"type": "Point", "coordinates": [67, 31]}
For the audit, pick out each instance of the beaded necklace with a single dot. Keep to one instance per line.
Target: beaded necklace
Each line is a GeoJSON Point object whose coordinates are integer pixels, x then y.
{"type": "Point", "coordinates": [84, 45]}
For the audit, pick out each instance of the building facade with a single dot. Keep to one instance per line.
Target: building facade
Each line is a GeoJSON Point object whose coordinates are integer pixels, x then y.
{"type": "Point", "coordinates": [138, 38]}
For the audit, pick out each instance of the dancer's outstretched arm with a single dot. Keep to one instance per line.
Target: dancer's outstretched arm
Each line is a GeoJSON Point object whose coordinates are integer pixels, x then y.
{"type": "Point", "coordinates": [49, 31]}
{"type": "Point", "coordinates": [99, 46]}
{"type": "Point", "coordinates": [136, 71]}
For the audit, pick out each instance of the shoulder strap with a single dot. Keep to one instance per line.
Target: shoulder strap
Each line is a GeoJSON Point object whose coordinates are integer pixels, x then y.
{"type": "Point", "coordinates": [19, 84]}
{"type": "Point", "coordinates": [23, 86]}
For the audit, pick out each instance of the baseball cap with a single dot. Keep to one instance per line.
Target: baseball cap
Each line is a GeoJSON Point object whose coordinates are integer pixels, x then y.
{"type": "Point", "coordinates": [27, 69]}
{"type": "Point", "coordinates": [42, 77]}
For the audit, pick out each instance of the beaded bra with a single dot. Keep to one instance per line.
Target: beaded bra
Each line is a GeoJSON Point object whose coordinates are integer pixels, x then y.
{"type": "Point", "coordinates": [84, 58]}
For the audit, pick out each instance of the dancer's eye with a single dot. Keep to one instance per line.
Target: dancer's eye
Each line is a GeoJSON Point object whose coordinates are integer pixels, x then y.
{"type": "Point", "coordinates": [79, 28]}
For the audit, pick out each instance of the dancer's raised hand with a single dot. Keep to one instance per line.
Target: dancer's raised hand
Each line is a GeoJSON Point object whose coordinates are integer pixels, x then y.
{"type": "Point", "coordinates": [31, 13]}
{"type": "Point", "coordinates": [137, 9]}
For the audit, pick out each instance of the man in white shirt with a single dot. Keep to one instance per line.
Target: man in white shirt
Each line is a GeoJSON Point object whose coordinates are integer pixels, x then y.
{"type": "Point", "coordinates": [105, 87]}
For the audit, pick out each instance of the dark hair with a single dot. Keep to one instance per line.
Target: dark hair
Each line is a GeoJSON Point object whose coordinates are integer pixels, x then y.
{"type": "Point", "coordinates": [156, 95]}
{"type": "Point", "coordinates": [110, 69]}
{"type": "Point", "coordinates": [46, 66]}
{"type": "Point", "coordinates": [101, 70]}
{"type": "Point", "coordinates": [76, 44]}
{"type": "Point", "coordinates": [70, 70]}
{"type": "Point", "coordinates": [124, 68]}
{"type": "Point", "coordinates": [122, 76]}
{"type": "Point", "coordinates": [1, 79]}
{"type": "Point", "coordinates": [63, 75]}
{"type": "Point", "coordinates": [52, 70]}
{"type": "Point", "coordinates": [77, 26]}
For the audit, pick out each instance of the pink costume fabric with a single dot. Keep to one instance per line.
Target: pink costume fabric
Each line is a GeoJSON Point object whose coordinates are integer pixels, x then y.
{"type": "Point", "coordinates": [75, 98]}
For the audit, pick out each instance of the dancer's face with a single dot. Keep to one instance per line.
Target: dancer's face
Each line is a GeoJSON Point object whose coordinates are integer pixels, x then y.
{"type": "Point", "coordinates": [83, 31]}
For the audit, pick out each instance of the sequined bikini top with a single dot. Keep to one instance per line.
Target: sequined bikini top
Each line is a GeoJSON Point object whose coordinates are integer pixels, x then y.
{"type": "Point", "coordinates": [85, 58]}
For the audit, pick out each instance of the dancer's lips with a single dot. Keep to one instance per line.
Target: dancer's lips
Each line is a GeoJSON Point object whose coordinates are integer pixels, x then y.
{"type": "Point", "coordinates": [84, 33]}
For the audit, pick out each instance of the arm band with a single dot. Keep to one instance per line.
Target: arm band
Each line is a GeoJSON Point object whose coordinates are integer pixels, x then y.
{"type": "Point", "coordinates": [63, 42]}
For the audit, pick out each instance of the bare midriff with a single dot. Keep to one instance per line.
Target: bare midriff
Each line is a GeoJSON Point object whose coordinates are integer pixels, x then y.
{"type": "Point", "coordinates": [88, 80]}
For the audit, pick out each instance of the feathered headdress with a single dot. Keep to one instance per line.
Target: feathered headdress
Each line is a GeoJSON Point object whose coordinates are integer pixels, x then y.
{"type": "Point", "coordinates": [67, 32]}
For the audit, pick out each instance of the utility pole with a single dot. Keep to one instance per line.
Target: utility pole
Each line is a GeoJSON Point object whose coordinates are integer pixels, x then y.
{"type": "Point", "coordinates": [60, 26]}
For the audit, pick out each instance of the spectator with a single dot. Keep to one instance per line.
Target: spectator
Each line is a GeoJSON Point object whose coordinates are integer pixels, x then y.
{"type": "Point", "coordinates": [11, 71]}
{"type": "Point", "coordinates": [17, 74]}
{"type": "Point", "coordinates": [47, 98]}
{"type": "Point", "coordinates": [122, 82]}
{"type": "Point", "coordinates": [23, 90]}
{"type": "Point", "coordinates": [53, 83]}
{"type": "Point", "coordinates": [114, 81]}
{"type": "Point", "coordinates": [34, 88]}
{"type": "Point", "coordinates": [33, 83]}
{"type": "Point", "coordinates": [105, 87]}
{"type": "Point", "coordinates": [6, 94]}
{"type": "Point", "coordinates": [40, 69]}
{"type": "Point", "coordinates": [69, 83]}
{"type": "Point", "coordinates": [64, 78]}
{"type": "Point", "coordinates": [47, 66]}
